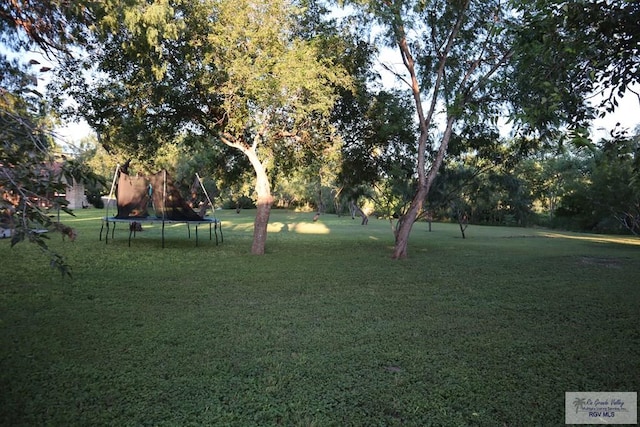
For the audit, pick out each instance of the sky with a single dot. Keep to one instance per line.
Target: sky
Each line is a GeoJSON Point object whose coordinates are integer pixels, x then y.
{"type": "Point", "coordinates": [627, 114]}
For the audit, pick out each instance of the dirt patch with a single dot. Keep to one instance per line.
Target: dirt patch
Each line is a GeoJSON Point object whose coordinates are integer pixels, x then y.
{"type": "Point", "coordinates": [601, 262]}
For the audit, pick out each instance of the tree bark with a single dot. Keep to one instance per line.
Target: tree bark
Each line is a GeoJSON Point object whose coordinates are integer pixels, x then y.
{"type": "Point", "coordinates": [260, 226]}
{"type": "Point", "coordinates": [265, 200]}
{"type": "Point", "coordinates": [263, 192]}
{"type": "Point", "coordinates": [405, 224]}
{"type": "Point", "coordinates": [408, 219]}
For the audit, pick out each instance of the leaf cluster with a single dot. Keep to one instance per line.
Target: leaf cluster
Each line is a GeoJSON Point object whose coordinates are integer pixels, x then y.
{"type": "Point", "coordinates": [30, 175]}
{"type": "Point", "coordinates": [29, 181]}
{"type": "Point", "coordinates": [378, 138]}
{"type": "Point", "coordinates": [568, 52]}
{"type": "Point", "coordinates": [54, 26]}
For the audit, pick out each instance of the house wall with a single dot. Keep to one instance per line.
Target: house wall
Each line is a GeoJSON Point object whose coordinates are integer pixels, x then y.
{"type": "Point", "coordinates": [75, 196]}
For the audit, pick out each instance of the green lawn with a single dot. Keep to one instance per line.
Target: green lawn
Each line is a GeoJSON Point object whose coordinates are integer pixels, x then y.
{"type": "Point", "coordinates": [324, 330]}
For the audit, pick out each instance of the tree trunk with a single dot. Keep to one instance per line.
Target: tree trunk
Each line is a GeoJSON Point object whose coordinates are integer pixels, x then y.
{"type": "Point", "coordinates": [405, 224]}
{"type": "Point", "coordinates": [337, 203]}
{"type": "Point", "coordinates": [463, 222]}
{"type": "Point", "coordinates": [260, 226]}
{"type": "Point", "coordinates": [355, 209]}
{"type": "Point", "coordinates": [263, 192]}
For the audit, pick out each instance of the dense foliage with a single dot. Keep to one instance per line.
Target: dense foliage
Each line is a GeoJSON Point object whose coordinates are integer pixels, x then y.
{"type": "Point", "coordinates": [30, 175]}
{"type": "Point", "coordinates": [592, 188]}
{"type": "Point", "coordinates": [568, 52]}
{"type": "Point", "coordinates": [605, 196]}
{"type": "Point", "coordinates": [27, 180]}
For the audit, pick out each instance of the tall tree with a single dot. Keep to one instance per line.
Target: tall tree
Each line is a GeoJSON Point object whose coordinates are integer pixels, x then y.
{"type": "Point", "coordinates": [573, 61]}
{"type": "Point", "coordinates": [537, 61]}
{"type": "Point", "coordinates": [451, 51]}
{"type": "Point", "coordinates": [234, 70]}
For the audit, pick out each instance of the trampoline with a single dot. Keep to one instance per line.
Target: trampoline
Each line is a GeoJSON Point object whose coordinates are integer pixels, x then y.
{"type": "Point", "coordinates": [133, 195]}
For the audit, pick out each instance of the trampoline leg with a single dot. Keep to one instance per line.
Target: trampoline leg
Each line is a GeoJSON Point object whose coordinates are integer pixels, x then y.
{"type": "Point", "coordinates": [196, 235]}
{"type": "Point", "coordinates": [220, 228]}
{"type": "Point", "coordinates": [130, 233]}
{"type": "Point", "coordinates": [101, 228]}
{"type": "Point", "coordinates": [113, 230]}
{"type": "Point", "coordinates": [189, 230]}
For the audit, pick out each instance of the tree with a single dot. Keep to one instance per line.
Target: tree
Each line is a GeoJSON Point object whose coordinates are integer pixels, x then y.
{"type": "Point", "coordinates": [538, 62]}
{"type": "Point", "coordinates": [26, 175]}
{"type": "Point", "coordinates": [28, 179]}
{"type": "Point", "coordinates": [451, 51]}
{"type": "Point", "coordinates": [568, 52]}
{"type": "Point", "coordinates": [550, 176]}
{"type": "Point", "coordinates": [234, 71]}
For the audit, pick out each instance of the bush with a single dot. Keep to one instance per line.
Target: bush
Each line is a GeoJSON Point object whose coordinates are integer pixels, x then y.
{"type": "Point", "coordinates": [242, 202]}
{"type": "Point", "coordinates": [95, 200]}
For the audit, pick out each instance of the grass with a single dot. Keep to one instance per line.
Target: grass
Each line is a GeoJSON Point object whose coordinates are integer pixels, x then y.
{"type": "Point", "coordinates": [324, 330]}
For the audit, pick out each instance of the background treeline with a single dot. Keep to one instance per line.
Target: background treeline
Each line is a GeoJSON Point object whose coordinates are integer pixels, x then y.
{"type": "Point", "coordinates": [589, 188]}
{"type": "Point", "coordinates": [594, 187]}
